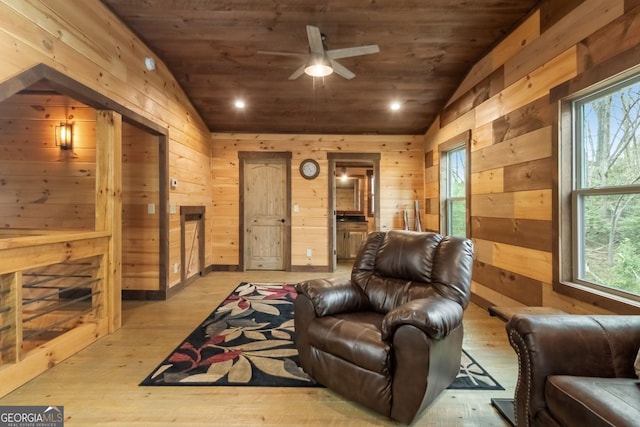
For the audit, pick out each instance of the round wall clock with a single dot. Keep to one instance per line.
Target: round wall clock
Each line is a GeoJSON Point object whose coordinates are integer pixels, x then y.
{"type": "Point", "coordinates": [309, 168]}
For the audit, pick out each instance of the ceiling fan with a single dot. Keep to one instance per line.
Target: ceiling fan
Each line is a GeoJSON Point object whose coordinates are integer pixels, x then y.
{"type": "Point", "coordinates": [321, 62]}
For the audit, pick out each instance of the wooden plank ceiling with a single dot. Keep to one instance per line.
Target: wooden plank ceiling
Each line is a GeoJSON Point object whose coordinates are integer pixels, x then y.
{"type": "Point", "coordinates": [426, 49]}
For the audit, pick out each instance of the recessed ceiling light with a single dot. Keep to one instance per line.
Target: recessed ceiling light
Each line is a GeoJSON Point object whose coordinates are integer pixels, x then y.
{"type": "Point", "coordinates": [239, 104]}
{"type": "Point", "coordinates": [395, 106]}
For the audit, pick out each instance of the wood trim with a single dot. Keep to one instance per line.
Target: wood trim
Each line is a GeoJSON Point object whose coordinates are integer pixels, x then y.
{"type": "Point", "coordinates": [483, 303]}
{"type": "Point", "coordinates": [288, 240]}
{"type": "Point", "coordinates": [224, 267]}
{"type": "Point", "coordinates": [143, 295]}
{"type": "Point", "coordinates": [67, 86]}
{"type": "Point", "coordinates": [353, 156]}
{"type": "Point", "coordinates": [310, 268]}
{"type": "Point", "coordinates": [602, 300]}
{"type": "Point", "coordinates": [10, 87]}
{"type": "Point", "coordinates": [242, 155]}
{"type": "Point", "coordinates": [333, 157]}
{"type": "Point", "coordinates": [370, 205]}
{"type": "Point", "coordinates": [163, 160]}
{"type": "Point", "coordinates": [175, 289]}
{"type": "Point", "coordinates": [459, 140]}
{"type": "Point", "coordinates": [455, 141]}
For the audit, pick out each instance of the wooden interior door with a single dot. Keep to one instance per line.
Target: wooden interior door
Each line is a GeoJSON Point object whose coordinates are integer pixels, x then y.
{"type": "Point", "coordinates": [265, 213]}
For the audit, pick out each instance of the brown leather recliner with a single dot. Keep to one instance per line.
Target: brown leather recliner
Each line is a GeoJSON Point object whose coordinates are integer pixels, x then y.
{"type": "Point", "coordinates": [390, 337]}
{"type": "Point", "coordinates": [576, 370]}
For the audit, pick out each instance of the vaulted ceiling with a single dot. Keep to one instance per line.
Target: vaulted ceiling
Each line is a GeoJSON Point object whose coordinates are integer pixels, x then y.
{"type": "Point", "coordinates": [426, 48]}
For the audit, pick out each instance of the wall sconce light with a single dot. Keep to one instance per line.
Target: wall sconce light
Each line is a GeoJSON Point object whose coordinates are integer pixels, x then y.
{"type": "Point", "coordinates": [64, 136]}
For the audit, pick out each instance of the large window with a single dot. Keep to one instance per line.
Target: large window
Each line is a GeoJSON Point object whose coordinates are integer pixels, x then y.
{"type": "Point", "coordinates": [604, 219]}
{"type": "Point", "coordinates": [454, 191]}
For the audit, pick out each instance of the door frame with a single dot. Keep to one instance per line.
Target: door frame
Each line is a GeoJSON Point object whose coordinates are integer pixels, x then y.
{"type": "Point", "coordinates": [333, 158]}
{"type": "Point", "coordinates": [243, 156]}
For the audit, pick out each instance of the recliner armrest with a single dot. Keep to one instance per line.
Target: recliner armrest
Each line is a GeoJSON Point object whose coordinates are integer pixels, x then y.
{"type": "Point", "coordinates": [435, 316]}
{"type": "Point", "coordinates": [332, 296]}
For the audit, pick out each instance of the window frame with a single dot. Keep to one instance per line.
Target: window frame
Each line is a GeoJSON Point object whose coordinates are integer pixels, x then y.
{"type": "Point", "coordinates": [567, 197]}
{"type": "Point", "coordinates": [459, 142]}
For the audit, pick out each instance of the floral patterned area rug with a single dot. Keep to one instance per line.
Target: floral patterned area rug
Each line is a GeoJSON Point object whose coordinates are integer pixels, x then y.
{"type": "Point", "coordinates": [249, 340]}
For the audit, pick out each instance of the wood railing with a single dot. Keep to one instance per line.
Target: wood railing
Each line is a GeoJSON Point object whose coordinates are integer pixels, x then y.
{"type": "Point", "coordinates": [53, 299]}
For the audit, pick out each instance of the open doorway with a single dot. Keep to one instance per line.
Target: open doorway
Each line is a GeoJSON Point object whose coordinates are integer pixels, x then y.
{"type": "Point", "coordinates": [354, 203]}
{"type": "Point", "coordinates": [59, 188]}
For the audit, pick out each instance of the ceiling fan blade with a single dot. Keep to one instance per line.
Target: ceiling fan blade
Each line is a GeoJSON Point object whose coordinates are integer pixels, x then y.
{"type": "Point", "coordinates": [352, 51]}
{"type": "Point", "coordinates": [315, 40]}
{"type": "Point", "coordinates": [341, 70]}
{"type": "Point", "coordinates": [274, 52]}
{"type": "Point", "coordinates": [297, 73]}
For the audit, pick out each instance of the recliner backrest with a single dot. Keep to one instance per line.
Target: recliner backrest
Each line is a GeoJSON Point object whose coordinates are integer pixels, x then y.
{"type": "Point", "coordinates": [397, 266]}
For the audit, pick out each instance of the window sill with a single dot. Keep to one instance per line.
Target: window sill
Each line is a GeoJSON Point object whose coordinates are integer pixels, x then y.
{"type": "Point", "coordinates": [614, 303]}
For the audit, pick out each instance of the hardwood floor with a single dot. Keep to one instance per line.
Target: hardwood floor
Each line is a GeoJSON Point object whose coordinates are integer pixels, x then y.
{"type": "Point", "coordinates": [99, 385]}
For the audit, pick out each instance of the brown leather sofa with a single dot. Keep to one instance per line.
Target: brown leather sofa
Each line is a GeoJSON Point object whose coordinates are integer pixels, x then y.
{"type": "Point", "coordinates": [390, 336]}
{"type": "Point", "coordinates": [576, 370]}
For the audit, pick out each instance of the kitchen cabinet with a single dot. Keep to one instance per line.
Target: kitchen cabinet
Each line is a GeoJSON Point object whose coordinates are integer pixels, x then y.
{"type": "Point", "coordinates": [349, 237]}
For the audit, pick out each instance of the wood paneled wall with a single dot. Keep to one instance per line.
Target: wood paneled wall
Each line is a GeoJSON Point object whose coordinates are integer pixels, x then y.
{"type": "Point", "coordinates": [42, 186]}
{"type": "Point", "coordinates": [401, 183]}
{"type": "Point", "coordinates": [140, 209]}
{"type": "Point", "coordinates": [190, 164]}
{"type": "Point", "coordinates": [505, 102]}
{"type": "Point", "coordinates": [84, 41]}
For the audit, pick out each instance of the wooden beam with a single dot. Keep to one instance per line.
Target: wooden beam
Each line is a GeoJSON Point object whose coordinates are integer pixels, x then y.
{"type": "Point", "coordinates": [109, 207]}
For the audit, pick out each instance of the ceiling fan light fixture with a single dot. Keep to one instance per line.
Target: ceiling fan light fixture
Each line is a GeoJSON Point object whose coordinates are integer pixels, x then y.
{"type": "Point", "coordinates": [322, 62]}
{"type": "Point", "coordinates": [318, 68]}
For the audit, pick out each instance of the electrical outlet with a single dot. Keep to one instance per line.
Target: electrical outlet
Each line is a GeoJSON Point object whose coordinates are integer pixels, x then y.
{"type": "Point", "coordinates": [176, 267]}
{"type": "Point", "coordinates": [309, 252]}
{"type": "Point", "coordinates": [151, 208]}
{"type": "Point", "coordinates": [296, 208]}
